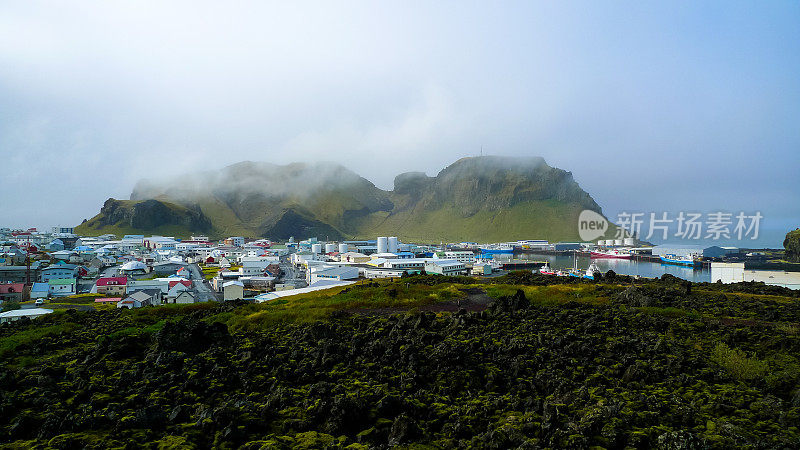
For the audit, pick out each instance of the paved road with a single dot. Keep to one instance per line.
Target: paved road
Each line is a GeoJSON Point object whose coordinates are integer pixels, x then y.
{"type": "Point", "coordinates": [291, 274]}
{"type": "Point", "coordinates": [204, 291]}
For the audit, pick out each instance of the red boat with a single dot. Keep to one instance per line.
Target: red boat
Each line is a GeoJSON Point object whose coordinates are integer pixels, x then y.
{"type": "Point", "coordinates": [545, 270]}
{"type": "Point", "coordinates": [612, 253]}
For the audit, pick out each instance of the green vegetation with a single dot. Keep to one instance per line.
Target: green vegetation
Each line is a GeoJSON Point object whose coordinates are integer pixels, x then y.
{"type": "Point", "coordinates": [737, 363]}
{"type": "Point", "coordinates": [209, 272]}
{"type": "Point", "coordinates": [791, 244]}
{"type": "Point", "coordinates": [488, 199]}
{"type": "Point", "coordinates": [10, 305]}
{"type": "Point", "coordinates": [520, 361]}
{"type": "Point", "coordinates": [77, 299]}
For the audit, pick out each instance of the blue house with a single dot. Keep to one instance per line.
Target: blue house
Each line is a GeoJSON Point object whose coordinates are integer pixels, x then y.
{"type": "Point", "coordinates": [55, 245]}
{"type": "Point", "coordinates": [60, 270]}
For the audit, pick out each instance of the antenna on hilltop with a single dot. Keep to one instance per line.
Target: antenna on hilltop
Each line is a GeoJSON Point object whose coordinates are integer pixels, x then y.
{"type": "Point", "coordinates": [481, 149]}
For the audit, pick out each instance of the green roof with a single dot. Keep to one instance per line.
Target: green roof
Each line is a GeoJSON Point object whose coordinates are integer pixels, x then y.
{"type": "Point", "coordinates": [62, 281]}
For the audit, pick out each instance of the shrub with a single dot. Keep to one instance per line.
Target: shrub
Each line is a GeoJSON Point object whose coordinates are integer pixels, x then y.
{"type": "Point", "coordinates": [737, 363]}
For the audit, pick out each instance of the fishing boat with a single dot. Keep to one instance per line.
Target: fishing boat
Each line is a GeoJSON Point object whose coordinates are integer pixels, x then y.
{"type": "Point", "coordinates": [685, 260]}
{"type": "Point", "coordinates": [611, 253]}
{"type": "Point", "coordinates": [593, 269]}
{"type": "Point", "coordinates": [546, 270]}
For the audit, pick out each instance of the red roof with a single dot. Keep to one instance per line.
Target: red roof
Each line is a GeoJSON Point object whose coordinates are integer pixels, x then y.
{"type": "Point", "coordinates": [107, 299]}
{"type": "Point", "coordinates": [112, 281]}
{"type": "Point", "coordinates": [186, 283]}
{"type": "Point", "coordinates": [11, 288]}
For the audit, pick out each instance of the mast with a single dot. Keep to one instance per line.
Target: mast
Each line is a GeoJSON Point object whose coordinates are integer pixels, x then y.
{"type": "Point", "coordinates": [28, 262]}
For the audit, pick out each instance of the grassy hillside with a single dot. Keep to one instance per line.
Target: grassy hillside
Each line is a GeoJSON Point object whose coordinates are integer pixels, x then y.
{"type": "Point", "coordinates": [555, 220]}
{"type": "Point", "coordinates": [524, 361]}
{"type": "Point", "coordinates": [121, 217]}
{"type": "Point", "coordinates": [478, 199]}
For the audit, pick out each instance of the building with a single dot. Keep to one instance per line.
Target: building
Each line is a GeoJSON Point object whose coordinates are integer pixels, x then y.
{"type": "Point", "coordinates": [334, 273]}
{"type": "Point", "coordinates": [112, 286]}
{"type": "Point", "coordinates": [382, 272]}
{"type": "Point", "coordinates": [236, 241]}
{"type": "Point", "coordinates": [410, 265]}
{"type": "Point", "coordinates": [31, 313]}
{"type": "Point", "coordinates": [185, 298]}
{"type": "Point", "coordinates": [61, 287]}
{"type": "Point", "coordinates": [176, 288]}
{"type": "Point", "coordinates": [40, 290]}
{"type": "Point", "coordinates": [233, 290]}
{"type": "Point", "coordinates": [566, 246]}
{"type": "Point", "coordinates": [463, 256]}
{"type": "Point", "coordinates": [17, 274]}
{"type": "Point", "coordinates": [481, 269]}
{"type": "Point", "coordinates": [145, 297]}
{"type": "Point", "coordinates": [445, 267]}
{"type": "Point", "coordinates": [736, 273]}
{"type": "Point", "coordinates": [257, 265]}
{"type": "Point", "coordinates": [59, 271]}
{"type": "Point", "coordinates": [133, 268]}
{"type": "Point", "coordinates": [353, 257]}
{"type": "Point", "coordinates": [319, 286]}
{"type": "Point", "coordinates": [13, 292]}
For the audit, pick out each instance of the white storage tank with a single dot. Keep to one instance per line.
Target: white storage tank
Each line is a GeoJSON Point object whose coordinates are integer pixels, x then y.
{"type": "Point", "coordinates": [629, 242]}
{"type": "Point", "coordinates": [383, 244]}
{"type": "Point", "coordinates": [316, 248]}
{"type": "Point", "coordinates": [342, 248]}
{"type": "Point", "coordinates": [618, 242]}
{"type": "Point", "coordinates": [392, 244]}
{"type": "Point", "coordinates": [330, 248]}
{"type": "Point", "coordinates": [601, 242]}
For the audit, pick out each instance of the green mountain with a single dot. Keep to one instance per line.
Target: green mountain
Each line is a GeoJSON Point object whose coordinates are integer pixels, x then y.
{"type": "Point", "coordinates": [481, 199]}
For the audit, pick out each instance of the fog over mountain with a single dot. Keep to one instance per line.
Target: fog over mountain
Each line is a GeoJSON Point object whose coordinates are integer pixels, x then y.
{"type": "Point", "coordinates": [486, 198]}
{"type": "Point", "coordinates": [651, 107]}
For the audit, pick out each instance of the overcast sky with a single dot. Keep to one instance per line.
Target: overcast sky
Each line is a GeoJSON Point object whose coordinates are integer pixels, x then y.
{"type": "Point", "coordinates": [680, 106]}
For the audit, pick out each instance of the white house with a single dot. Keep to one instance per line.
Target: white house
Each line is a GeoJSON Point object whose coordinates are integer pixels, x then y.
{"type": "Point", "coordinates": [62, 287]}
{"type": "Point", "coordinates": [233, 290]}
{"type": "Point", "coordinates": [185, 297]}
{"type": "Point", "coordinates": [445, 267]}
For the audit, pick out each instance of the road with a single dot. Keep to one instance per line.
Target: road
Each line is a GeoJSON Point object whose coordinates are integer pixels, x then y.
{"type": "Point", "coordinates": [204, 291]}
{"type": "Point", "coordinates": [292, 275]}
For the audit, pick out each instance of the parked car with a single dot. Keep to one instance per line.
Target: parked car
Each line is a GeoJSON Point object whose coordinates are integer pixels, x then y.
{"type": "Point", "coordinates": [38, 302]}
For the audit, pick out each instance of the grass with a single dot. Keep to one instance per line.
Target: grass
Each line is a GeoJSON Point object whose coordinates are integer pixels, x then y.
{"type": "Point", "coordinates": [209, 272]}
{"type": "Point", "coordinates": [553, 295]}
{"type": "Point", "coordinates": [8, 344]}
{"type": "Point", "coordinates": [319, 305]}
{"type": "Point", "coordinates": [77, 299]}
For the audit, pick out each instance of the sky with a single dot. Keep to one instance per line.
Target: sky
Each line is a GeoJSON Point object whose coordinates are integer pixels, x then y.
{"type": "Point", "coordinates": [670, 106]}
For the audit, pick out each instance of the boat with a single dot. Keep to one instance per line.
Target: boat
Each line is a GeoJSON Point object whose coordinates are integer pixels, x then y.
{"type": "Point", "coordinates": [611, 253]}
{"type": "Point", "coordinates": [686, 260]}
{"type": "Point", "coordinates": [546, 270]}
{"type": "Point", "coordinates": [593, 269]}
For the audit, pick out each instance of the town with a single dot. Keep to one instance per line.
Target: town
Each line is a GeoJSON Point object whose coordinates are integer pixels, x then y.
{"type": "Point", "coordinates": [40, 271]}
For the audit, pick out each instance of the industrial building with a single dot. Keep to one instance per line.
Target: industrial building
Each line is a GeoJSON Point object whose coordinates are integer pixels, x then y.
{"type": "Point", "coordinates": [736, 273]}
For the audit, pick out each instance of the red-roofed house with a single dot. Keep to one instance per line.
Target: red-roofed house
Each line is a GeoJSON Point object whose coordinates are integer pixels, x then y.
{"type": "Point", "coordinates": [112, 286]}
{"type": "Point", "coordinates": [12, 291]}
{"type": "Point", "coordinates": [186, 283]}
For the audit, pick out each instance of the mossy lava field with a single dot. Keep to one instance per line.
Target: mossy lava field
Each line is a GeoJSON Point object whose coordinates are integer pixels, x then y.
{"type": "Point", "coordinates": [520, 361]}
